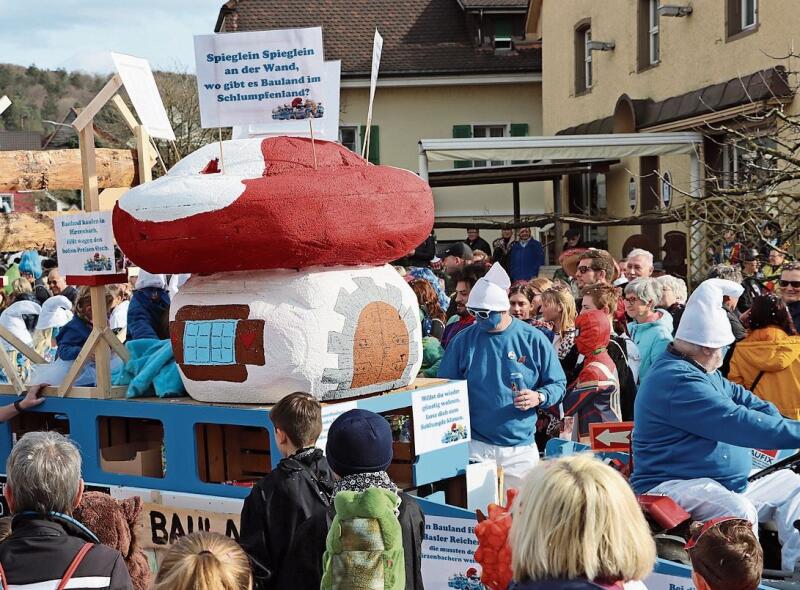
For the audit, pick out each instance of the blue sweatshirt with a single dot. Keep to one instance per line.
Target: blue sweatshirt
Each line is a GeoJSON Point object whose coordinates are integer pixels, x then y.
{"type": "Point", "coordinates": [71, 338]}
{"type": "Point", "coordinates": [524, 261]}
{"type": "Point", "coordinates": [486, 360]}
{"type": "Point", "coordinates": [692, 424]}
{"type": "Point", "coordinates": [145, 312]}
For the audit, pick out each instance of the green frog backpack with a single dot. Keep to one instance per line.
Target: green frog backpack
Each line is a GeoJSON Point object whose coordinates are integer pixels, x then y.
{"type": "Point", "coordinates": [364, 548]}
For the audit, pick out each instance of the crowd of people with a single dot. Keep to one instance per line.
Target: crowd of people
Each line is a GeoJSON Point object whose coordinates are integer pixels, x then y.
{"type": "Point", "coordinates": [705, 377]}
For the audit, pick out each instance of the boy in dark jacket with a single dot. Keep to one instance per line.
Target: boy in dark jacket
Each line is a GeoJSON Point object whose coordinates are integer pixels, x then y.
{"type": "Point", "coordinates": [149, 304]}
{"type": "Point", "coordinates": [359, 450]}
{"type": "Point", "coordinates": [300, 487]}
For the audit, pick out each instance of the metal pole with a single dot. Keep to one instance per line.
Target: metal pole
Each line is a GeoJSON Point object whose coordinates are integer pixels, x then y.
{"type": "Point", "coordinates": [423, 164]}
{"type": "Point", "coordinates": [517, 208]}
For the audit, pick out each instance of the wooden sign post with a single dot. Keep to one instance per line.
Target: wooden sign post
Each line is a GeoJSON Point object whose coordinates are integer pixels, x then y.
{"type": "Point", "coordinates": [102, 340]}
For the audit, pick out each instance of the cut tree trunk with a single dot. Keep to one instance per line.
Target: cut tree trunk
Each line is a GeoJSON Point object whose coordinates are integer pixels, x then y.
{"type": "Point", "coordinates": [61, 169]}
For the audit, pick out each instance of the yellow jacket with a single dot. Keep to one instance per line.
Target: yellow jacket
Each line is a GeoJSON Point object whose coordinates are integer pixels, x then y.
{"type": "Point", "coordinates": [770, 350]}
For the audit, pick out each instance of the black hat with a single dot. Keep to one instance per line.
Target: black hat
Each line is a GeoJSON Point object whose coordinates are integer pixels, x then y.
{"type": "Point", "coordinates": [572, 232]}
{"type": "Point", "coordinates": [359, 441]}
{"type": "Point", "coordinates": [750, 255]}
{"type": "Point", "coordinates": [459, 250]}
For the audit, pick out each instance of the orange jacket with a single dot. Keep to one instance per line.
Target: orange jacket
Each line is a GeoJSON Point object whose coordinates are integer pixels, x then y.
{"type": "Point", "coordinates": [770, 350]}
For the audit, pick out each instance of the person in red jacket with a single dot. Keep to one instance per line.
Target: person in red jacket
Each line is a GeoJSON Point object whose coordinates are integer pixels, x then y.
{"type": "Point", "coordinates": [594, 395]}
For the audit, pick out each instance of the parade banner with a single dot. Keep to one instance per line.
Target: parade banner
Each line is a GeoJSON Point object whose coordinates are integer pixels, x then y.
{"type": "Point", "coordinates": [141, 88]}
{"type": "Point", "coordinates": [441, 416]}
{"type": "Point", "coordinates": [85, 243]}
{"type": "Point", "coordinates": [325, 127]}
{"type": "Point", "coordinates": [260, 76]}
{"type": "Point", "coordinates": [159, 525]}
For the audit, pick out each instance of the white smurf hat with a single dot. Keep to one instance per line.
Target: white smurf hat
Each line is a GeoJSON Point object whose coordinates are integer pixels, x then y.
{"type": "Point", "coordinates": [704, 321]}
{"type": "Point", "coordinates": [147, 279]}
{"type": "Point", "coordinates": [56, 312]}
{"type": "Point", "coordinates": [491, 291]}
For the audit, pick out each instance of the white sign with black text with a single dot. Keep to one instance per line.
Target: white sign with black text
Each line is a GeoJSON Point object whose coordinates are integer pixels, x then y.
{"type": "Point", "coordinates": [441, 416]}
{"type": "Point", "coordinates": [85, 243]}
{"type": "Point", "coordinates": [260, 77]}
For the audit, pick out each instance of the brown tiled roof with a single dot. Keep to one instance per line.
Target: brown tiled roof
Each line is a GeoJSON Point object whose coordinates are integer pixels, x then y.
{"type": "Point", "coordinates": [494, 4]}
{"type": "Point", "coordinates": [20, 140]}
{"type": "Point", "coordinates": [764, 85]}
{"type": "Point", "coordinates": [421, 37]}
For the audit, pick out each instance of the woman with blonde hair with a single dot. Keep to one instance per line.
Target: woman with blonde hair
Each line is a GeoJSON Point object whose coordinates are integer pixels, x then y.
{"type": "Point", "coordinates": [577, 526]}
{"type": "Point", "coordinates": [558, 314]}
{"type": "Point", "coordinates": [538, 285]}
{"type": "Point", "coordinates": [204, 561]}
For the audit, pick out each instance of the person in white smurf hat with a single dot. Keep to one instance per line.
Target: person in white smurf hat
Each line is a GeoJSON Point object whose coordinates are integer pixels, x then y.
{"type": "Point", "coordinates": [694, 430]}
{"type": "Point", "coordinates": [511, 369]}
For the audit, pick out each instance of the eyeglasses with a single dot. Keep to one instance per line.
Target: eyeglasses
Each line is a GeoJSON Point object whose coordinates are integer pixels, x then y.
{"type": "Point", "coordinates": [792, 284]}
{"type": "Point", "coordinates": [582, 269]}
{"type": "Point", "coordinates": [695, 538]}
{"type": "Point", "coordinates": [481, 314]}
{"type": "Point", "coordinates": [632, 300]}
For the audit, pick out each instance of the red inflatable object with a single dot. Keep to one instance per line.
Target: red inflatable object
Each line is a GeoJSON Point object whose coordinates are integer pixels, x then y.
{"type": "Point", "coordinates": [270, 208]}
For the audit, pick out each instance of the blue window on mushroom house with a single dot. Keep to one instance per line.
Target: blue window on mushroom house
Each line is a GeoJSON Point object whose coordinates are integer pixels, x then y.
{"type": "Point", "coordinates": [209, 342]}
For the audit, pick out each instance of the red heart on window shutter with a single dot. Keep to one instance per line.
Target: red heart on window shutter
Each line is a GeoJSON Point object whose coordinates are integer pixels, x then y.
{"type": "Point", "coordinates": [247, 339]}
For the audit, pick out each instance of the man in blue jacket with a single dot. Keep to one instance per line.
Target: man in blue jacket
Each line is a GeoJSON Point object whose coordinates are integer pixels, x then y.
{"type": "Point", "coordinates": [694, 429]}
{"type": "Point", "coordinates": [525, 257]}
{"type": "Point", "coordinates": [486, 354]}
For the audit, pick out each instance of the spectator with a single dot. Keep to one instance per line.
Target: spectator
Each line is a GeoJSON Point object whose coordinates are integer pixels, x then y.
{"type": "Point", "coordinates": [476, 242]}
{"type": "Point", "coordinates": [790, 290]}
{"type": "Point", "coordinates": [651, 328]}
{"type": "Point", "coordinates": [502, 246]}
{"type": "Point", "coordinates": [455, 259]}
{"type": "Point", "coordinates": [553, 547]}
{"type": "Point", "coordinates": [479, 257]}
{"type": "Point", "coordinates": [21, 290]}
{"type": "Point", "coordinates": [767, 361]}
{"type": "Point", "coordinates": [594, 395]}
{"type": "Point", "coordinates": [58, 286]}
{"type": "Point", "coordinates": [725, 555]}
{"type": "Point", "coordinates": [120, 301]}
{"type": "Point", "coordinates": [418, 272]}
{"type": "Point", "coordinates": [149, 304]}
{"type": "Point", "coordinates": [521, 297]}
{"type": "Point", "coordinates": [525, 257]}
{"type": "Point", "coordinates": [486, 354]}
{"type": "Point", "coordinates": [753, 281]}
{"type": "Point", "coordinates": [464, 283]}
{"type": "Point", "coordinates": [424, 253]}
{"type": "Point", "coordinates": [204, 561]}
{"type": "Point", "coordinates": [639, 264]}
{"type": "Point", "coordinates": [594, 266]}
{"type": "Point", "coordinates": [573, 239]}
{"type": "Point", "coordinates": [30, 268]}
{"type": "Point", "coordinates": [558, 314]}
{"type": "Point", "coordinates": [298, 488]}
{"type": "Point", "coordinates": [44, 486]}
{"type": "Point", "coordinates": [729, 304]}
{"type": "Point", "coordinates": [433, 318]}
{"type": "Point", "coordinates": [673, 298]}
{"type": "Point", "coordinates": [622, 350]}
{"type": "Point", "coordinates": [775, 262]}
{"type": "Point", "coordinates": [694, 429]}
{"type": "Point", "coordinates": [538, 286]}
{"type": "Point", "coordinates": [359, 450]}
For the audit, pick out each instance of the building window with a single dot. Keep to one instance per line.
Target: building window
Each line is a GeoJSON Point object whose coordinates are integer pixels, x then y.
{"type": "Point", "coordinates": [648, 34]}
{"type": "Point", "coordinates": [583, 57]}
{"type": "Point", "coordinates": [350, 138]}
{"type": "Point", "coordinates": [741, 17]}
{"type": "Point", "coordinates": [502, 34]}
{"type": "Point", "coordinates": [209, 342]}
{"type": "Point", "coordinates": [489, 131]}
{"type": "Point", "coordinates": [6, 203]}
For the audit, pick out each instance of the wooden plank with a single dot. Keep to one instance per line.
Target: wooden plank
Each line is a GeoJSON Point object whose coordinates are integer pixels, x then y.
{"type": "Point", "coordinates": [117, 392]}
{"type": "Point", "coordinates": [116, 345]}
{"type": "Point", "coordinates": [256, 439]}
{"type": "Point", "coordinates": [61, 169]}
{"type": "Point", "coordinates": [6, 335]}
{"type": "Point", "coordinates": [98, 102]}
{"type": "Point", "coordinates": [127, 114]}
{"type": "Point", "coordinates": [77, 365]}
{"type": "Point", "coordinates": [251, 463]}
{"type": "Point", "coordinates": [145, 151]}
{"type": "Point", "coordinates": [233, 452]}
{"type": "Point", "coordinates": [216, 449]}
{"type": "Point", "coordinates": [7, 364]}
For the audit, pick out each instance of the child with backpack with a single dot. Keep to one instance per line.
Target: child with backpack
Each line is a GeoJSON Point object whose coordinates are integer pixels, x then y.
{"type": "Point", "coordinates": [371, 537]}
{"type": "Point", "coordinates": [298, 488]}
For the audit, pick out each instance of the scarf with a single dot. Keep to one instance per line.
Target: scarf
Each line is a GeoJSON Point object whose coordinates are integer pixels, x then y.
{"type": "Point", "coordinates": [360, 482]}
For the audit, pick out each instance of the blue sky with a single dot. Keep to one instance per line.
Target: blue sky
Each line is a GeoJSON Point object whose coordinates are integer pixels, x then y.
{"type": "Point", "coordinates": [78, 34]}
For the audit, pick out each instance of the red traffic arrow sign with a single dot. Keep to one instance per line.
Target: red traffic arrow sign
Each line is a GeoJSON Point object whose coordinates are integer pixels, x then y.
{"type": "Point", "coordinates": [611, 436]}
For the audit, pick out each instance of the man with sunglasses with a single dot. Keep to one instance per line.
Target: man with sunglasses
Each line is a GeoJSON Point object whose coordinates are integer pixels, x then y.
{"type": "Point", "coordinates": [790, 290]}
{"type": "Point", "coordinates": [694, 429]}
{"type": "Point", "coordinates": [511, 369]}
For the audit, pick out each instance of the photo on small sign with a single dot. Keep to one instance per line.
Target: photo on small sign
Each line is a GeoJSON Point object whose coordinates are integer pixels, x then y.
{"type": "Point", "coordinates": [299, 109]}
